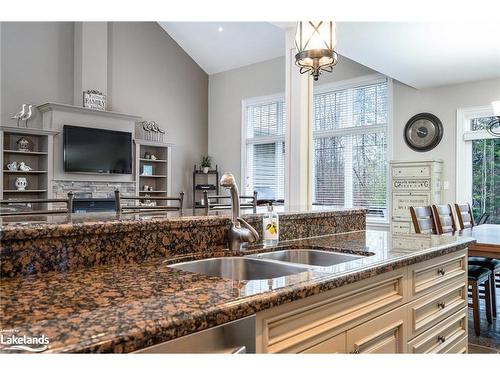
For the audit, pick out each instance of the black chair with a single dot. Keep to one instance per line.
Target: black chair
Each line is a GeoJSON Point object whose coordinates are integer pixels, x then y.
{"type": "Point", "coordinates": [466, 220]}
{"type": "Point", "coordinates": [477, 276]}
{"type": "Point", "coordinates": [494, 266]}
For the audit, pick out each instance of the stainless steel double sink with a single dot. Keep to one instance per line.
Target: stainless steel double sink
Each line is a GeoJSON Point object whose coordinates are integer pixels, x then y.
{"type": "Point", "coordinates": [266, 265]}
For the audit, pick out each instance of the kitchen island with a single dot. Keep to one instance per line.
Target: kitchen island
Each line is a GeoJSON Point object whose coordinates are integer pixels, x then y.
{"type": "Point", "coordinates": [131, 299]}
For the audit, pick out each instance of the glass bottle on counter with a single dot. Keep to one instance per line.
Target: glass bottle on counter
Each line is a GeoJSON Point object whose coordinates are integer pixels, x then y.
{"type": "Point", "coordinates": [270, 225]}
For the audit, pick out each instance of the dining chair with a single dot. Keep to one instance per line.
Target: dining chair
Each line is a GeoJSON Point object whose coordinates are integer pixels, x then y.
{"type": "Point", "coordinates": [476, 276]}
{"type": "Point", "coordinates": [466, 220]}
{"type": "Point", "coordinates": [423, 220]}
{"type": "Point", "coordinates": [464, 215]}
{"type": "Point", "coordinates": [223, 202]}
{"type": "Point", "coordinates": [120, 207]}
{"type": "Point", "coordinates": [445, 222]}
{"type": "Point", "coordinates": [17, 207]}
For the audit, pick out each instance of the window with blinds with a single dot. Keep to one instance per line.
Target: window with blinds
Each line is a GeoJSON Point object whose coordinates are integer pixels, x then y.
{"type": "Point", "coordinates": [264, 164]}
{"type": "Point", "coordinates": [485, 154]}
{"type": "Point", "coordinates": [350, 147]}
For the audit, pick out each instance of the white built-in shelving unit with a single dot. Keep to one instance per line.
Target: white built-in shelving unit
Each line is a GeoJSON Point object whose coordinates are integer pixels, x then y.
{"type": "Point", "coordinates": [39, 157]}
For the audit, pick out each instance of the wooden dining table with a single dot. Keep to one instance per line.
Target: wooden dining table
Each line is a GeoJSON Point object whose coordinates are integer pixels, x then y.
{"type": "Point", "coordinates": [488, 240]}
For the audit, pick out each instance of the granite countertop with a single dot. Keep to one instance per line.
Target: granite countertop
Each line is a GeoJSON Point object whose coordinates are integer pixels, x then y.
{"type": "Point", "coordinates": [58, 225]}
{"type": "Point", "coordinates": [122, 309]}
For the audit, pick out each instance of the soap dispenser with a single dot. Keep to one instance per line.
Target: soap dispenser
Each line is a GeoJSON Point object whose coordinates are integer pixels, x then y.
{"type": "Point", "coordinates": [270, 225]}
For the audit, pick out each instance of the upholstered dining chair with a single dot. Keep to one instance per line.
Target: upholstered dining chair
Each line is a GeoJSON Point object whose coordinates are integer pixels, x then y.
{"type": "Point", "coordinates": [423, 220]}
{"type": "Point", "coordinates": [120, 207]}
{"type": "Point", "coordinates": [464, 215]}
{"type": "Point", "coordinates": [445, 221]}
{"type": "Point", "coordinates": [34, 206]}
{"type": "Point", "coordinates": [466, 220]}
{"type": "Point", "coordinates": [223, 202]}
{"type": "Point", "coordinates": [478, 275]}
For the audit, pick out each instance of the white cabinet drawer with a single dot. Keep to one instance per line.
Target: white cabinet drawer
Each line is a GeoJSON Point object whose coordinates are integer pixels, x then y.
{"type": "Point", "coordinates": [429, 310]}
{"type": "Point", "coordinates": [462, 347]}
{"type": "Point", "coordinates": [411, 171]}
{"type": "Point", "coordinates": [402, 227]}
{"type": "Point", "coordinates": [335, 344]}
{"type": "Point", "coordinates": [401, 203]}
{"type": "Point", "coordinates": [431, 275]}
{"type": "Point", "coordinates": [384, 334]}
{"type": "Point", "coordinates": [411, 184]}
{"type": "Point", "coordinates": [300, 325]}
{"type": "Point", "coordinates": [443, 336]}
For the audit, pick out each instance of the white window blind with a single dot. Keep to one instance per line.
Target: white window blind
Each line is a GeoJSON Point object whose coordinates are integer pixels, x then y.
{"type": "Point", "coordinates": [264, 164]}
{"type": "Point", "coordinates": [350, 147]}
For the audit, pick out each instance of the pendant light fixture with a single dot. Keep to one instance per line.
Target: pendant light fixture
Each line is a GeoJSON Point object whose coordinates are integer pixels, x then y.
{"type": "Point", "coordinates": [315, 42]}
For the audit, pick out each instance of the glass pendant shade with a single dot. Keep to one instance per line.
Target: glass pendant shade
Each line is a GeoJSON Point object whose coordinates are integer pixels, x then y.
{"type": "Point", "coordinates": [315, 42]}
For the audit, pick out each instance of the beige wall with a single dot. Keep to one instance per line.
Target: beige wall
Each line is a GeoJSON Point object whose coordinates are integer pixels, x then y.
{"type": "Point", "coordinates": [148, 75]}
{"type": "Point", "coordinates": [442, 102]}
{"type": "Point", "coordinates": [228, 89]}
{"type": "Point", "coordinates": [225, 93]}
{"type": "Point", "coordinates": [36, 67]}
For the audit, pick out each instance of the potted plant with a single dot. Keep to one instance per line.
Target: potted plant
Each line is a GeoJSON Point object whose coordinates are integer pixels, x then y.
{"type": "Point", "coordinates": [206, 163]}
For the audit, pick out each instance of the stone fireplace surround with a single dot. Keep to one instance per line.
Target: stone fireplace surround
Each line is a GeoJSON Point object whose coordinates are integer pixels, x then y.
{"type": "Point", "coordinates": [55, 116]}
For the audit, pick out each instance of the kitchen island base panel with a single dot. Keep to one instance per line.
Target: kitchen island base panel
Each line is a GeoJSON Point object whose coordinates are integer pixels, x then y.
{"type": "Point", "coordinates": [378, 315]}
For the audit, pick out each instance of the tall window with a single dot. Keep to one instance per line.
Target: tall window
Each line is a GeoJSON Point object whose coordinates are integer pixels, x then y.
{"type": "Point", "coordinates": [479, 161]}
{"type": "Point", "coordinates": [350, 146]}
{"type": "Point", "coordinates": [264, 154]}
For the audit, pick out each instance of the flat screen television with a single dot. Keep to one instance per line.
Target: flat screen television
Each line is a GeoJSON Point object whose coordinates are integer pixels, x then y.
{"type": "Point", "coordinates": [91, 150]}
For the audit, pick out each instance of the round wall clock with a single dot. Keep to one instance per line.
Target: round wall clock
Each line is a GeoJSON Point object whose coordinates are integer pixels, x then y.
{"type": "Point", "coordinates": [423, 132]}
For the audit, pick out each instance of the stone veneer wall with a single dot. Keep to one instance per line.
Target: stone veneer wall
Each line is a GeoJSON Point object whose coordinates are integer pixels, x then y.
{"type": "Point", "coordinates": [91, 189]}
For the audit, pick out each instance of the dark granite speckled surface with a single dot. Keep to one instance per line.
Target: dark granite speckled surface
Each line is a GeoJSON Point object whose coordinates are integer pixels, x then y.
{"type": "Point", "coordinates": [121, 309]}
{"type": "Point", "coordinates": [35, 245]}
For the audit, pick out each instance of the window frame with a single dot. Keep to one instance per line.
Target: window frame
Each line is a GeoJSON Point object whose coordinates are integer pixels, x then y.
{"type": "Point", "coordinates": [388, 128]}
{"type": "Point", "coordinates": [258, 100]}
{"type": "Point", "coordinates": [465, 136]}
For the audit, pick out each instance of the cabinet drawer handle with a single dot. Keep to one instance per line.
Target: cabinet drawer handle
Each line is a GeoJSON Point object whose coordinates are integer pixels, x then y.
{"type": "Point", "coordinates": [441, 271]}
{"type": "Point", "coordinates": [441, 339]}
{"type": "Point", "coordinates": [441, 305]}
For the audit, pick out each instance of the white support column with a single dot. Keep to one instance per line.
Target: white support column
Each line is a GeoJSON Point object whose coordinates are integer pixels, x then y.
{"type": "Point", "coordinates": [90, 59]}
{"type": "Point", "coordinates": [298, 163]}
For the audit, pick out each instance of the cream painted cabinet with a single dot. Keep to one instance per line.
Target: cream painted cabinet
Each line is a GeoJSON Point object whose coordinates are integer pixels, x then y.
{"type": "Point", "coordinates": [336, 344]}
{"type": "Point", "coordinates": [420, 308]}
{"type": "Point", "coordinates": [413, 184]}
{"type": "Point", "coordinates": [384, 334]}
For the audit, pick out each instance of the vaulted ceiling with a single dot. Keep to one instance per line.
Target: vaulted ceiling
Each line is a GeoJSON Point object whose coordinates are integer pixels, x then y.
{"type": "Point", "coordinates": [417, 54]}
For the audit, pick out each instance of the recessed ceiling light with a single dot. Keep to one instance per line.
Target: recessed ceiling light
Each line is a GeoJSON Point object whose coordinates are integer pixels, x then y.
{"type": "Point", "coordinates": [220, 29]}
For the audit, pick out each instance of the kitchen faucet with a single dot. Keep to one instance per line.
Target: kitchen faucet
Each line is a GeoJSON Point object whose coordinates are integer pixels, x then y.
{"type": "Point", "coordinates": [237, 234]}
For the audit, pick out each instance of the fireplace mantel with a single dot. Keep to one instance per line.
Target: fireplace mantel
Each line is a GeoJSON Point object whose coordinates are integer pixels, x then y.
{"type": "Point", "coordinates": [74, 108]}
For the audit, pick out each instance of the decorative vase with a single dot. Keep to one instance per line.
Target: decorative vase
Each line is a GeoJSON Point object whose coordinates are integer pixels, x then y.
{"type": "Point", "coordinates": [12, 166]}
{"type": "Point", "coordinates": [23, 144]}
{"type": "Point", "coordinates": [206, 169]}
{"type": "Point", "coordinates": [21, 183]}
